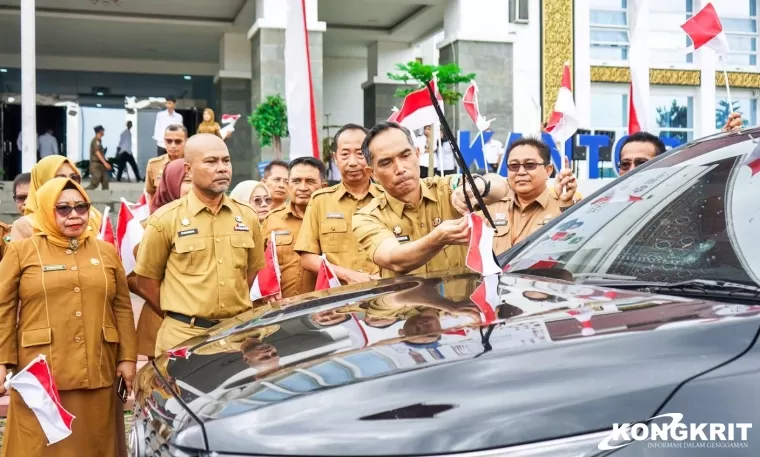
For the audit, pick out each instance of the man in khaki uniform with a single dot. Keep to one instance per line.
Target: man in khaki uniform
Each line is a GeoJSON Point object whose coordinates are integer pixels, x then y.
{"type": "Point", "coordinates": [306, 176]}
{"type": "Point", "coordinates": [200, 254]}
{"type": "Point", "coordinates": [530, 202]}
{"type": "Point", "coordinates": [175, 137]}
{"type": "Point", "coordinates": [416, 227]}
{"type": "Point", "coordinates": [99, 166]}
{"type": "Point", "coordinates": [327, 222]}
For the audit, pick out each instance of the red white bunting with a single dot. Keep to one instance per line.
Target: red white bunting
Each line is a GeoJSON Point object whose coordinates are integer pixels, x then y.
{"type": "Point", "coordinates": [326, 278]}
{"type": "Point", "coordinates": [267, 281]}
{"type": "Point", "coordinates": [480, 251]}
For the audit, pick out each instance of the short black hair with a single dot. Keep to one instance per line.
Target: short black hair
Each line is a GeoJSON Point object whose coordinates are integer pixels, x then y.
{"type": "Point", "coordinates": [171, 98]}
{"type": "Point", "coordinates": [176, 128]}
{"type": "Point", "coordinates": [23, 178]}
{"type": "Point", "coordinates": [275, 163]}
{"type": "Point", "coordinates": [543, 148]}
{"type": "Point", "coordinates": [129, 123]}
{"type": "Point", "coordinates": [345, 128]}
{"type": "Point", "coordinates": [98, 128]}
{"type": "Point", "coordinates": [310, 162]}
{"type": "Point", "coordinates": [646, 137]}
{"type": "Point", "coordinates": [378, 129]}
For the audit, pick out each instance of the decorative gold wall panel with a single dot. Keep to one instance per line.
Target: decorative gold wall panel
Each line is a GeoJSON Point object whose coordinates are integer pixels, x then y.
{"type": "Point", "coordinates": [557, 48]}
{"type": "Point", "coordinates": [744, 80]}
{"type": "Point", "coordinates": [656, 76]}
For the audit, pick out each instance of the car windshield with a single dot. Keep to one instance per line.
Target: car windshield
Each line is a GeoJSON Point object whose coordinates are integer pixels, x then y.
{"type": "Point", "coordinates": [693, 214]}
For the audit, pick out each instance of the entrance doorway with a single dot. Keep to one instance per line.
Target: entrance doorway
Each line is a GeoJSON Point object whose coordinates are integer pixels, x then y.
{"type": "Point", "coordinates": [48, 117]}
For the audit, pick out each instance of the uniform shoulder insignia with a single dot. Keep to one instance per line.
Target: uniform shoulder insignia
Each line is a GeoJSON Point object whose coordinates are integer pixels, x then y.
{"type": "Point", "coordinates": [375, 203]}
{"type": "Point", "coordinates": [326, 190]}
{"type": "Point", "coordinates": [166, 209]}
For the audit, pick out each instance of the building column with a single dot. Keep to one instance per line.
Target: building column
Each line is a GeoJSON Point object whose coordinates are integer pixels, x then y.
{"type": "Point", "coordinates": [379, 90]}
{"type": "Point", "coordinates": [233, 96]}
{"type": "Point", "coordinates": [267, 52]}
{"type": "Point", "coordinates": [476, 39]}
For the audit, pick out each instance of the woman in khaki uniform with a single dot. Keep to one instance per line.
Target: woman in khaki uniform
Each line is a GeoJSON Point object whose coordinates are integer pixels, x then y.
{"type": "Point", "coordinates": [174, 184]}
{"type": "Point", "coordinates": [209, 125]}
{"type": "Point", "coordinates": [72, 300]}
{"type": "Point", "coordinates": [50, 167]}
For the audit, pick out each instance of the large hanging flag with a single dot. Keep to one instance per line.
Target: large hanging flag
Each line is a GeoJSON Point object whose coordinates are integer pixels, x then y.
{"type": "Point", "coordinates": [638, 60]}
{"type": "Point", "coordinates": [705, 29]}
{"type": "Point", "coordinates": [267, 281]}
{"type": "Point", "coordinates": [299, 86]}
{"type": "Point", "coordinates": [418, 109]}
{"type": "Point", "coordinates": [129, 233]}
{"type": "Point", "coordinates": [37, 388]}
{"type": "Point", "coordinates": [563, 122]}
{"type": "Point", "coordinates": [480, 251]}
{"type": "Point", "coordinates": [326, 278]}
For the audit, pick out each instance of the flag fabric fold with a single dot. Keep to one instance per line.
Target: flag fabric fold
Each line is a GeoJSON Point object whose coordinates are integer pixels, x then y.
{"type": "Point", "coordinates": [37, 388]}
{"type": "Point", "coordinates": [267, 281]}
{"type": "Point", "coordinates": [141, 209]}
{"type": "Point", "coordinates": [583, 316]}
{"type": "Point", "coordinates": [417, 111]}
{"type": "Point", "coordinates": [129, 233]}
{"type": "Point", "coordinates": [563, 122]}
{"type": "Point", "coordinates": [531, 263]}
{"type": "Point", "coordinates": [106, 232]}
{"type": "Point", "coordinates": [326, 278]}
{"type": "Point", "coordinates": [486, 298]}
{"type": "Point", "coordinates": [753, 161]}
{"type": "Point", "coordinates": [705, 29]}
{"type": "Point", "coordinates": [480, 250]}
{"type": "Point", "coordinates": [470, 102]}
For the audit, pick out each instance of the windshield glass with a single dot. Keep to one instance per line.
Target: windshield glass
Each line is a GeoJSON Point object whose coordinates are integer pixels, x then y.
{"type": "Point", "coordinates": [694, 214]}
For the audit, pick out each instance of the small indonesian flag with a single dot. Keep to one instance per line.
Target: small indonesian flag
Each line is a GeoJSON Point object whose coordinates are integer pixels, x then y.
{"type": "Point", "coordinates": [470, 101]}
{"type": "Point", "coordinates": [531, 264]}
{"type": "Point", "coordinates": [228, 120]}
{"type": "Point", "coordinates": [418, 110]}
{"type": "Point", "coordinates": [584, 317]}
{"type": "Point", "coordinates": [486, 298]}
{"type": "Point", "coordinates": [106, 232]}
{"type": "Point", "coordinates": [36, 386]}
{"type": "Point", "coordinates": [141, 209]}
{"type": "Point", "coordinates": [753, 161]}
{"type": "Point", "coordinates": [480, 251]}
{"type": "Point", "coordinates": [179, 353]}
{"type": "Point", "coordinates": [129, 233]}
{"type": "Point", "coordinates": [326, 278]}
{"type": "Point", "coordinates": [705, 29]}
{"type": "Point", "coordinates": [267, 281]}
{"type": "Point", "coordinates": [563, 122]}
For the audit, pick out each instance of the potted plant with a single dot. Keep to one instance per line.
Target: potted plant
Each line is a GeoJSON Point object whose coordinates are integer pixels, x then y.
{"type": "Point", "coordinates": [270, 120]}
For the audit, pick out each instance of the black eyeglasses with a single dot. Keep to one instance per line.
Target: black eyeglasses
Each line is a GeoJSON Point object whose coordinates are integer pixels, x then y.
{"type": "Point", "coordinates": [260, 201]}
{"type": "Point", "coordinates": [65, 210]}
{"type": "Point", "coordinates": [74, 177]}
{"type": "Point", "coordinates": [173, 141]}
{"type": "Point", "coordinates": [514, 167]}
{"type": "Point", "coordinates": [20, 198]}
{"type": "Point", "coordinates": [625, 165]}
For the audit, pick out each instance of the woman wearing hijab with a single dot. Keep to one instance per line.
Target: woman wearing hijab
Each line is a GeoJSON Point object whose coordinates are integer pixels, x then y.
{"type": "Point", "coordinates": [255, 194]}
{"type": "Point", "coordinates": [209, 125]}
{"type": "Point", "coordinates": [63, 294]}
{"type": "Point", "coordinates": [50, 167]}
{"type": "Point", "coordinates": [175, 183]}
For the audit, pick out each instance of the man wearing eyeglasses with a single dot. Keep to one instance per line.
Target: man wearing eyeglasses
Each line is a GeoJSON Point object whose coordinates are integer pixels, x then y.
{"type": "Point", "coordinates": [530, 203]}
{"type": "Point", "coordinates": [175, 137]}
{"type": "Point", "coordinates": [21, 191]}
{"type": "Point", "coordinates": [276, 181]}
{"type": "Point", "coordinates": [638, 149]}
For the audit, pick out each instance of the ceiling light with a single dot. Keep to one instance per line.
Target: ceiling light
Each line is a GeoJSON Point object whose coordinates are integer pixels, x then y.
{"type": "Point", "coordinates": [188, 77]}
{"type": "Point", "coordinates": [99, 105]}
{"type": "Point", "coordinates": [99, 94]}
{"type": "Point", "coordinates": [3, 70]}
{"type": "Point", "coordinates": [11, 99]}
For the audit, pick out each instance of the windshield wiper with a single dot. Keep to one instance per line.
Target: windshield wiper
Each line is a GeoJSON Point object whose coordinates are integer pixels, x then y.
{"type": "Point", "coordinates": [696, 287]}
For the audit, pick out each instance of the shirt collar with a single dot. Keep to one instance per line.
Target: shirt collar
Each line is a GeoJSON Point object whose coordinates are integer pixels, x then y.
{"type": "Point", "coordinates": [397, 206]}
{"type": "Point", "coordinates": [290, 211]}
{"type": "Point", "coordinates": [195, 206]}
{"type": "Point", "coordinates": [542, 199]}
{"type": "Point", "coordinates": [373, 190]}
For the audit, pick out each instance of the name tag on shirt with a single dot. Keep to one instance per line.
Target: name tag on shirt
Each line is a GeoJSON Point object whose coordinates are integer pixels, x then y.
{"type": "Point", "coordinates": [402, 238]}
{"type": "Point", "coordinates": [500, 222]}
{"type": "Point", "coordinates": [187, 232]}
{"type": "Point", "coordinates": [53, 267]}
{"type": "Point", "coordinates": [335, 215]}
{"type": "Point", "coordinates": [282, 232]}
{"type": "Point", "coordinates": [241, 228]}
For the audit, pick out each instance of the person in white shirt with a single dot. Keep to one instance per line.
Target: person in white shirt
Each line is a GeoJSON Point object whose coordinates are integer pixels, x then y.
{"type": "Point", "coordinates": [493, 150]}
{"type": "Point", "coordinates": [449, 164]}
{"type": "Point", "coordinates": [163, 120]}
{"type": "Point", "coordinates": [47, 144]}
{"type": "Point", "coordinates": [124, 154]}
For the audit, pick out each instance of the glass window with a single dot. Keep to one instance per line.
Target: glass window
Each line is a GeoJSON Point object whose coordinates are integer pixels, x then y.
{"type": "Point", "coordinates": [739, 20]}
{"type": "Point", "coordinates": [609, 30]}
{"type": "Point", "coordinates": [667, 40]}
{"type": "Point", "coordinates": [747, 107]}
{"type": "Point", "coordinates": [674, 116]}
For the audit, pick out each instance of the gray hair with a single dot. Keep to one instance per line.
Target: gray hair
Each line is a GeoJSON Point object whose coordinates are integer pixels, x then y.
{"type": "Point", "coordinates": [176, 128]}
{"type": "Point", "coordinates": [378, 129]}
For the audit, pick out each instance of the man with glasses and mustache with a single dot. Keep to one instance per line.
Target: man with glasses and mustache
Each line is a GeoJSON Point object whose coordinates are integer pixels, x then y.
{"type": "Point", "coordinates": [175, 137]}
{"type": "Point", "coordinates": [530, 204]}
{"type": "Point", "coordinates": [199, 254]}
{"type": "Point", "coordinates": [20, 193]}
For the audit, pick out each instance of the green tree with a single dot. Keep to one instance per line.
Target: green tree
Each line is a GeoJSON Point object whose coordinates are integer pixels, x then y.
{"type": "Point", "coordinates": [449, 76]}
{"type": "Point", "coordinates": [722, 112]}
{"type": "Point", "coordinates": [270, 120]}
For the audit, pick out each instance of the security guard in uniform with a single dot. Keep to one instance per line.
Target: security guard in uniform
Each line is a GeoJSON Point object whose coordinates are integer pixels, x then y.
{"type": "Point", "coordinates": [416, 227]}
{"type": "Point", "coordinates": [200, 254]}
{"type": "Point", "coordinates": [175, 137]}
{"type": "Point", "coordinates": [530, 203]}
{"type": "Point", "coordinates": [327, 222]}
{"type": "Point", "coordinates": [306, 176]}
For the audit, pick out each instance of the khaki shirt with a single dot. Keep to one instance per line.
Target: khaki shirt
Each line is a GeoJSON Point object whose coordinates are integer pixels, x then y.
{"type": "Point", "coordinates": [387, 217]}
{"type": "Point", "coordinates": [76, 311]}
{"type": "Point", "coordinates": [513, 224]}
{"type": "Point", "coordinates": [95, 146]}
{"type": "Point", "coordinates": [202, 259]}
{"type": "Point", "coordinates": [327, 228]}
{"type": "Point", "coordinates": [5, 237]}
{"type": "Point", "coordinates": [286, 225]}
{"type": "Point", "coordinates": [153, 173]}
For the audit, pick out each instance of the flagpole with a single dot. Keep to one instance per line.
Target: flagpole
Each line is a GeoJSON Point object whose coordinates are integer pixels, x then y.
{"type": "Point", "coordinates": [483, 147]}
{"type": "Point", "coordinates": [728, 89]}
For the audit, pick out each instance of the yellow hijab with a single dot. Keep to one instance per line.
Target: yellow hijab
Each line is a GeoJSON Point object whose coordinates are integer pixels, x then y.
{"type": "Point", "coordinates": [211, 126]}
{"type": "Point", "coordinates": [46, 197]}
{"type": "Point", "coordinates": [43, 172]}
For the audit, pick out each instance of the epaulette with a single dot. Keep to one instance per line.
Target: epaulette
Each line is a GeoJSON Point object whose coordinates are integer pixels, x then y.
{"type": "Point", "coordinates": [325, 190]}
{"type": "Point", "coordinates": [155, 159]}
{"type": "Point", "coordinates": [161, 212]}
{"type": "Point", "coordinates": [375, 203]}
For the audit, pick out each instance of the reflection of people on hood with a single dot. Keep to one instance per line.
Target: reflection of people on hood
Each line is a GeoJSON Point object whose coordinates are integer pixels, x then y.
{"type": "Point", "coordinates": [536, 296]}
{"type": "Point", "coordinates": [260, 356]}
{"type": "Point", "coordinates": [328, 318]}
{"type": "Point", "coordinates": [423, 328]}
{"type": "Point", "coordinates": [236, 341]}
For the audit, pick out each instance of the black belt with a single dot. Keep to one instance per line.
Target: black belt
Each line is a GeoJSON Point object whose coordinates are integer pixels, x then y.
{"type": "Point", "coordinates": [193, 321]}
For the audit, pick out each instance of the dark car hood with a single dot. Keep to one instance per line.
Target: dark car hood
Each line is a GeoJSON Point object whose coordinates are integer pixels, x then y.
{"type": "Point", "coordinates": [562, 359]}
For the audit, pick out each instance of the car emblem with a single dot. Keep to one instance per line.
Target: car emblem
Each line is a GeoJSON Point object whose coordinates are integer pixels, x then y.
{"type": "Point", "coordinates": [397, 230]}
{"type": "Point", "coordinates": [185, 222]}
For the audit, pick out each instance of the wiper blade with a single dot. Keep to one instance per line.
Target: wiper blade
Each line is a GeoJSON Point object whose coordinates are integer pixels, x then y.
{"type": "Point", "coordinates": [704, 287]}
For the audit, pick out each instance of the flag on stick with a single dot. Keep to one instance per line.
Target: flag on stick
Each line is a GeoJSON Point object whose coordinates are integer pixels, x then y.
{"type": "Point", "coordinates": [106, 232]}
{"type": "Point", "coordinates": [129, 233]}
{"type": "Point", "coordinates": [326, 278]}
{"type": "Point", "coordinates": [563, 122]}
{"type": "Point", "coordinates": [267, 281]}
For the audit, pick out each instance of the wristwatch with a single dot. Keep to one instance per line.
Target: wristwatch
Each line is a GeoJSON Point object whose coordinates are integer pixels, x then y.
{"type": "Point", "coordinates": [486, 185]}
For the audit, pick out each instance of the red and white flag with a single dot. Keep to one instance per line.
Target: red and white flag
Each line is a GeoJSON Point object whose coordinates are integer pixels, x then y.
{"type": "Point", "coordinates": [36, 386]}
{"type": "Point", "coordinates": [531, 264]}
{"type": "Point", "coordinates": [228, 120]}
{"type": "Point", "coordinates": [705, 29]}
{"type": "Point", "coordinates": [106, 232]}
{"type": "Point", "coordinates": [480, 251]}
{"type": "Point", "coordinates": [299, 86]}
{"type": "Point", "coordinates": [179, 353]}
{"type": "Point", "coordinates": [563, 122]}
{"type": "Point", "coordinates": [753, 161]}
{"type": "Point", "coordinates": [584, 317]}
{"type": "Point", "coordinates": [617, 196]}
{"type": "Point", "coordinates": [267, 281]}
{"type": "Point", "coordinates": [129, 233]}
{"type": "Point", "coordinates": [326, 278]}
{"type": "Point", "coordinates": [486, 298]}
{"type": "Point", "coordinates": [141, 209]}
{"type": "Point", "coordinates": [638, 60]}
{"type": "Point", "coordinates": [470, 101]}
{"type": "Point", "coordinates": [418, 110]}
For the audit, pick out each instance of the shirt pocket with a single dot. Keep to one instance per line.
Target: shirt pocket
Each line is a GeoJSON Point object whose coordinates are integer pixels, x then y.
{"type": "Point", "coordinates": [36, 337]}
{"type": "Point", "coordinates": [284, 247]}
{"type": "Point", "coordinates": [241, 246]}
{"type": "Point", "coordinates": [332, 235]}
{"type": "Point", "coordinates": [190, 255]}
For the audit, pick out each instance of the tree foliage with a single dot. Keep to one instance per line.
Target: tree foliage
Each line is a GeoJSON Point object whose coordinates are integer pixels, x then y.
{"type": "Point", "coordinates": [722, 112]}
{"type": "Point", "coordinates": [448, 76]}
{"type": "Point", "coordinates": [270, 120]}
{"type": "Point", "coordinates": [676, 116]}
